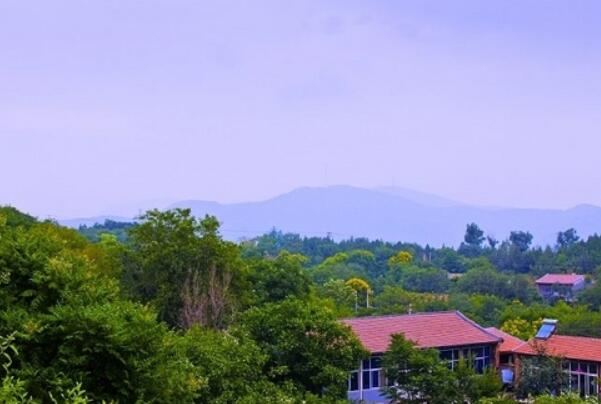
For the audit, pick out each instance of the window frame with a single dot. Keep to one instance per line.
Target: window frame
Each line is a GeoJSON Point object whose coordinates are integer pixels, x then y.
{"type": "Point", "coordinates": [581, 372]}
{"type": "Point", "coordinates": [478, 353]}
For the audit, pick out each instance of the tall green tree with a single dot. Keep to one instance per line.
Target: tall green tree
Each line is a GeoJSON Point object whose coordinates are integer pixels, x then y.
{"type": "Point", "coordinates": [305, 345]}
{"type": "Point", "coordinates": [72, 328]}
{"type": "Point", "coordinates": [567, 238]}
{"type": "Point", "coordinates": [417, 375]}
{"type": "Point", "coordinates": [276, 279]}
{"type": "Point", "coordinates": [183, 268]}
{"type": "Point", "coordinates": [521, 239]}
{"type": "Point", "coordinates": [472, 241]}
{"type": "Point", "coordinates": [541, 374]}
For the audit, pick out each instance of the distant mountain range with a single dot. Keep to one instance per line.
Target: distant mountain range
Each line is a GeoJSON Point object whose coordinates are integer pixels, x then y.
{"type": "Point", "coordinates": [393, 214]}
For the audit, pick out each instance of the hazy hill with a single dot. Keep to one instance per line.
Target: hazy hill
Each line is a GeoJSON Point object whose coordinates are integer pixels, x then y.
{"type": "Point", "coordinates": [389, 214]}
{"type": "Point", "coordinates": [90, 221]}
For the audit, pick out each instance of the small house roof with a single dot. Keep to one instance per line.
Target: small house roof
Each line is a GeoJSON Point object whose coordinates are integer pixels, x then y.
{"type": "Point", "coordinates": [561, 279]}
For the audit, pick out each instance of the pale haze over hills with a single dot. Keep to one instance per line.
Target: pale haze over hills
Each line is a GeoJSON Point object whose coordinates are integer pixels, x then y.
{"type": "Point", "coordinates": [486, 102]}
{"type": "Point", "coordinates": [390, 213]}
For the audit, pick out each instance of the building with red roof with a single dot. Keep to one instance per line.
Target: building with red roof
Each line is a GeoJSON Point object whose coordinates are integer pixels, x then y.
{"type": "Point", "coordinates": [581, 355]}
{"type": "Point", "coordinates": [457, 337]}
{"type": "Point", "coordinates": [552, 287]}
{"type": "Point", "coordinates": [452, 333]}
{"type": "Point", "coordinates": [426, 330]}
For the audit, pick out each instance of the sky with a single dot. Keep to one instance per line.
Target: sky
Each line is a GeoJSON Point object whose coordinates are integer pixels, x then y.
{"type": "Point", "coordinates": [107, 105]}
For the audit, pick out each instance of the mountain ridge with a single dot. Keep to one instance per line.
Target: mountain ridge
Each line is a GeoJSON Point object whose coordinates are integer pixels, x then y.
{"type": "Point", "coordinates": [391, 214]}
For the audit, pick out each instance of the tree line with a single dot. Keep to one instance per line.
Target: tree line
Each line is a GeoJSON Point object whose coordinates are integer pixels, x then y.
{"type": "Point", "coordinates": [174, 313]}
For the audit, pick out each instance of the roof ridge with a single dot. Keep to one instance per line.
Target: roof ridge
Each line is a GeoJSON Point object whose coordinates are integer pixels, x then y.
{"type": "Point", "coordinates": [574, 336]}
{"type": "Point", "coordinates": [423, 313]}
{"type": "Point", "coordinates": [465, 318]}
{"type": "Point", "coordinates": [521, 345]}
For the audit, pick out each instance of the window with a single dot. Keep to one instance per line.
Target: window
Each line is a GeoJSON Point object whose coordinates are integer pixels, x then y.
{"type": "Point", "coordinates": [506, 359]}
{"type": "Point", "coordinates": [353, 381]}
{"type": "Point", "coordinates": [583, 377]}
{"type": "Point", "coordinates": [479, 355]}
{"type": "Point", "coordinates": [371, 373]}
{"type": "Point", "coordinates": [481, 358]}
{"type": "Point", "coordinates": [451, 356]}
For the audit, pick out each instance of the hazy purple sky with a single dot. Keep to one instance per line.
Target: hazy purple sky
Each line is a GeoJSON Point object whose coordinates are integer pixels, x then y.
{"type": "Point", "coordinates": [104, 104]}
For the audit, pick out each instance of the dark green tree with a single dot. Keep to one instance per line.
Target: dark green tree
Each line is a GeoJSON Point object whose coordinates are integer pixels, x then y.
{"type": "Point", "coordinates": [417, 375]}
{"type": "Point", "coordinates": [276, 279]}
{"type": "Point", "coordinates": [14, 218]}
{"type": "Point", "coordinates": [183, 268]}
{"type": "Point", "coordinates": [567, 238]}
{"type": "Point", "coordinates": [305, 345]}
{"type": "Point", "coordinates": [541, 374]}
{"type": "Point", "coordinates": [72, 328]}
{"type": "Point", "coordinates": [521, 240]}
{"type": "Point", "coordinates": [474, 236]}
{"type": "Point", "coordinates": [472, 241]}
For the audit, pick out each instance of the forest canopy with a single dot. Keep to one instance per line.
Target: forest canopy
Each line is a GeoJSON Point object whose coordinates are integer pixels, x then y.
{"type": "Point", "coordinates": [166, 310]}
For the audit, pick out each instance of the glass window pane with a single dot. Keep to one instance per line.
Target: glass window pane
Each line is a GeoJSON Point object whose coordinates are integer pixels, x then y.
{"type": "Point", "coordinates": [354, 381]}
{"type": "Point", "coordinates": [366, 381]}
{"type": "Point", "coordinates": [574, 383]}
{"type": "Point", "coordinates": [592, 368]}
{"type": "Point", "coordinates": [487, 351]}
{"type": "Point", "coordinates": [376, 362]}
{"type": "Point", "coordinates": [590, 388]}
{"type": "Point", "coordinates": [446, 355]}
{"type": "Point", "coordinates": [375, 379]}
{"type": "Point", "coordinates": [365, 364]}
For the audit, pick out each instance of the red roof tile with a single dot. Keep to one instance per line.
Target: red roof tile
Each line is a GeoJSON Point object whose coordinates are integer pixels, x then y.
{"type": "Point", "coordinates": [509, 341]}
{"type": "Point", "coordinates": [427, 330]}
{"type": "Point", "coordinates": [581, 348]}
{"type": "Point", "coordinates": [562, 279]}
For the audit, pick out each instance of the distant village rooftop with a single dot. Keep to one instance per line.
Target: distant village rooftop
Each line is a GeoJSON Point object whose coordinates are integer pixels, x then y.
{"type": "Point", "coordinates": [426, 330]}
{"type": "Point", "coordinates": [560, 279]}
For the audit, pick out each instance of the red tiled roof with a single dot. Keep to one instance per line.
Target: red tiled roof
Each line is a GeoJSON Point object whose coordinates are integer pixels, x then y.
{"type": "Point", "coordinates": [581, 348]}
{"type": "Point", "coordinates": [562, 279]}
{"type": "Point", "coordinates": [509, 341]}
{"type": "Point", "coordinates": [427, 330]}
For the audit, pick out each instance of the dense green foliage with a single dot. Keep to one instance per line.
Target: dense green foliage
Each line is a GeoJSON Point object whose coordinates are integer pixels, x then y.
{"type": "Point", "coordinates": [81, 322]}
{"type": "Point", "coordinates": [541, 375]}
{"type": "Point", "coordinates": [305, 345]}
{"type": "Point", "coordinates": [483, 278]}
{"type": "Point", "coordinates": [117, 229]}
{"type": "Point", "coordinates": [167, 311]}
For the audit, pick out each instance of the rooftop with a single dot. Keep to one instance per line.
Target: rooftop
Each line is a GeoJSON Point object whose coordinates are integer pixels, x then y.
{"type": "Point", "coordinates": [509, 341]}
{"type": "Point", "coordinates": [426, 330]}
{"type": "Point", "coordinates": [580, 348]}
{"type": "Point", "coordinates": [561, 279]}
